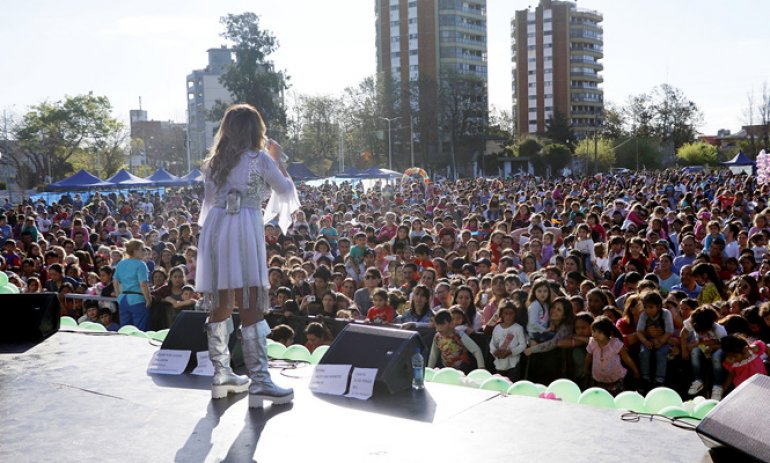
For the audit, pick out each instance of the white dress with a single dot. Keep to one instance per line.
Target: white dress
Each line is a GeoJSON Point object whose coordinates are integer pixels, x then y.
{"type": "Point", "coordinates": [231, 248]}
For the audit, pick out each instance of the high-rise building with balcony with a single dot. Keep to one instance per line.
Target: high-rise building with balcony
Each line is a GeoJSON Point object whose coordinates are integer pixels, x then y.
{"type": "Point", "coordinates": [203, 91]}
{"type": "Point", "coordinates": [556, 51]}
{"type": "Point", "coordinates": [421, 45]}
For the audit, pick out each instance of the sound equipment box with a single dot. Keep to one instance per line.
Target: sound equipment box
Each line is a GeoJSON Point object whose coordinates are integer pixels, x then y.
{"type": "Point", "coordinates": [189, 333]}
{"type": "Point", "coordinates": [739, 421]}
{"type": "Point", "coordinates": [388, 350]}
{"type": "Point", "coordinates": [29, 317]}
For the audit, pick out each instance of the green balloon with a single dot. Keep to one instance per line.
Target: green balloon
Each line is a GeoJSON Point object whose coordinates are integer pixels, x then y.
{"type": "Point", "coordinates": [448, 376]}
{"type": "Point", "coordinates": [597, 397]}
{"type": "Point", "coordinates": [540, 388]}
{"type": "Point", "coordinates": [565, 389]}
{"type": "Point", "coordinates": [674, 412]}
{"type": "Point", "coordinates": [68, 322]}
{"type": "Point", "coordinates": [276, 350]}
{"type": "Point", "coordinates": [524, 388]}
{"type": "Point", "coordinates": [496, 384]}
{"type": "Point", "coordinates": [127, 329]}
{"type": "Point", "coordinates": [630, 400]}
{"type": "Point", "coordinates": [297, 353]}
{"type": "Point", "coordinates": [479, 375]}
{"type": "Point", "coordinates": [139, 334]}
{"type": "Point", "coordinates": [3, 279]}
{"type": "Point", "coordinates": [429, 372]}
{"type": "Point", "coordinates": [703, 408]}
{"type": "Point", "coordinates": [12, 288]}
{"type": "Point", "coordinates": [6, 289]}
{"type": "Point", "coordinates": [318, 354]}
{"type": "Point", "coordinates": [660, 398]}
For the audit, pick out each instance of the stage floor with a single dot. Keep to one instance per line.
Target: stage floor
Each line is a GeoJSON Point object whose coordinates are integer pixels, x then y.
{"type": "Point", "coordinates": [87, 397]}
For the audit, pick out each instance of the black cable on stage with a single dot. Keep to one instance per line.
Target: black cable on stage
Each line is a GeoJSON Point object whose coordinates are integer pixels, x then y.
{"type": "Point", "coordinates": [679, 422]}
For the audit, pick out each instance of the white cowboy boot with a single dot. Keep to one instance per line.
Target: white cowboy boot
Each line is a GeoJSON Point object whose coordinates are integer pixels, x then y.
{"type": "Point", "coordinates": [225, 381]}
{"type": "Point", "coordinates": [254, 340]}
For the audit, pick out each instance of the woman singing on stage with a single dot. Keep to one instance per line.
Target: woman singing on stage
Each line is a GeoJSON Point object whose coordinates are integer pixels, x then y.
{"type": "Point", "coordinates": [240, 172]}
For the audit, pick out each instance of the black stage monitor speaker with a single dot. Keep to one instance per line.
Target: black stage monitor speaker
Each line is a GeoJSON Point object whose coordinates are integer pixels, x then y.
{"type": "Point", "coordinates": [739, 420]}
{"type": "Point", "coordinates": [386, 349]}
{"type": "Point", "coordinates": [29, 317]}
{"type": "Point", "coordinates": [189, 333]}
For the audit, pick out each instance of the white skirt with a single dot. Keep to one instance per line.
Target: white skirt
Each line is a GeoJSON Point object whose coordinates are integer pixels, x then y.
{"type": "Point", "coordinates": [231, 251]}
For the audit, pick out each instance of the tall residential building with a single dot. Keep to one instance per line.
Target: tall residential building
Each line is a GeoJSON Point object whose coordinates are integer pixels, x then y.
{"type": "Point", "coordinates": [421, 45]}
{"type": "Point", "coordinates": [556, 52]}
{"type": "Point", "coordinates": [203, 91]}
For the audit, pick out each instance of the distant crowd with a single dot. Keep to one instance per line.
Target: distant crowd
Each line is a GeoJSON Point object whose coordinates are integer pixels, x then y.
{"type": "Point", "coordinates": [620, 281]}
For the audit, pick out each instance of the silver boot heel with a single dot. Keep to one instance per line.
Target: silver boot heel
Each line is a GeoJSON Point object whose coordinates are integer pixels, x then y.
{"type": "Point", "coordinates": [225, 381]}
{"type": "Point", "coordinates": [255, 356]}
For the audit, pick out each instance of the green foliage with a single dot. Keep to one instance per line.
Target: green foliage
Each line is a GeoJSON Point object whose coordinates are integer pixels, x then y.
{"type": "Point", "coordinates": [252, 79]}
{"type": "Point", "coordinates": [698, 153]}
{"type": "Point", "coordinates": [527, 147]}
{"type": "Point", "coordinates": [53, 136]}
{"type": "Point", "coordinates": [602, 152]}
{"type": "Point", "coordinates": [559, 130]}
{"type": "Point", "coordinates": [641, 153]}
{"type": "Point", "coordinates": [664, 114]}
{"type": "Point", "coordinates": [556, 155]}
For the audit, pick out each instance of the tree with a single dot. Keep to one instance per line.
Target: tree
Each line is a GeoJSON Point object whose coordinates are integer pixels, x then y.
{"type": "Point", "coordinates": [559, 130]}
{"type": "Point", "coordinates": [677, 118]}
{"type": "Point", "coordinates": [637, 153]}
{"type": "Point", "coordinates": [614, 122]}
{"type": "Point", "coordinates": [463, 111]}
{"type": "Point", "coordinates": [763, 111]}
{"type": "Point", "coordinates": [604, 153]}
{"type": "Point", "coordinates": [698, 153]}
{"type": "Point", "coordinates": [363, 105]}
{"type": "Point", "coordinates": [556, 155]}
{"type": "Point", "coordinates": [748, 119]}
{"type": "Point", "coordinates": [51, 134]}
{"type": "Point", "coordinates": [252, 78]}
{"type": "Point", "coordinates": [320, 130]}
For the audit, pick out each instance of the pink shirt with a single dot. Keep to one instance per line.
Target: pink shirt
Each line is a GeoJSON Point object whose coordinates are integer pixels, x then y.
{"type": "Point", "coordinates": [606, 366]}
{"type": "Point", "coordinates": [745, 369]}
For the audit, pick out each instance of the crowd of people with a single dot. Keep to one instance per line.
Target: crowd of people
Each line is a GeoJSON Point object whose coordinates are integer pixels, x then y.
{"type": "Point", "coordinates": [622, 281]}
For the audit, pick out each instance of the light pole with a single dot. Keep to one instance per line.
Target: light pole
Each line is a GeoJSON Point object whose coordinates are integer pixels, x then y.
{"type": "Point", "coordinates": [390, 146]}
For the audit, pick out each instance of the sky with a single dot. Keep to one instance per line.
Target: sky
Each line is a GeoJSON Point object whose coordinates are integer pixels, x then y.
{"type": "Point", "coordinates": [715, 51]}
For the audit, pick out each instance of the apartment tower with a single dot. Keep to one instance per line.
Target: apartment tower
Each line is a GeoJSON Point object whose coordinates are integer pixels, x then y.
{"type": "Point", "coordinates": [556, 51]}
{"type": "Point", "coordinates": [419, 44]}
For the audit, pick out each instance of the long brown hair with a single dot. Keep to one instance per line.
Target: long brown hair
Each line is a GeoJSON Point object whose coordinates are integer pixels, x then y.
{"type": "Point", "coordinates": [241, 129]}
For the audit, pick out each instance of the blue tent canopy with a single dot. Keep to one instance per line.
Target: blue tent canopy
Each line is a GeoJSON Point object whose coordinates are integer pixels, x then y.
{"type": "Point", "coordinates": [299, 171]}
{"type": "Point", "coordinates": [195, 176]}
{"type": "Point", "coordinates": [350, 172]}
{"type": "Point", "coordinates": [82, 180]}
{"type": "Point", "coordinates": [376, 172]}
{"type": "Point", "coordinates": [163, 178]}
{"type": "Point", "coordinates": [127, 179]}
{"type": "Point", "coordinates": [740, 159]}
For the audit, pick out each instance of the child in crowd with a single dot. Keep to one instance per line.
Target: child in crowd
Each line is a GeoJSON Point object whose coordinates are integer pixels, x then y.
{"type": "Point", "coordinates": [655, 327]}
{"type": "Point", "coordinates": [456, 350]}
{"type": "Point", "coordinates": [105, 318]}
{"type": "Point", "coordinates": [508, 341]}
{"type": "Point", "coordinates": [282, 334]}
{"type": "Point", "coordinates": [577, 344]}
{"type": "Point", "coordinates": [538, 308]}
{"type": "Point", "coordinates": [328, 232]}
{"type": "Point", "coordinates": [585, 245]}
{"type": "Point", "coordinates": [380, 313]}
{"type": "Point", "coordinates": [711, 285]}
{"type": "Point", "coordinates": [317, 335]}
{"type": "Point", "coordinates": [700, 343]}
{"type": "Point", "coordinates": [742, 360]}
{"type": "Point", "coordinates": [605, 353]}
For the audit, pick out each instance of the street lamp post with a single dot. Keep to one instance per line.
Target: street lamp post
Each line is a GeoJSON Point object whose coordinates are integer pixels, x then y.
{"type": "Point", "coordinates": [390, 146]}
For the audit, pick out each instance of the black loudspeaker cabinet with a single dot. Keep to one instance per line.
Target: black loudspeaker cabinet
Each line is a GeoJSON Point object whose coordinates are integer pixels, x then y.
{"type": "Point", "coordinates": [189, 333]}
{"type": "Point", "coordinates": [29, 317]}
{"type": "Point", "coordinates": [388, 350]}
{"type": "Point", "coordinates": [739, 421]}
